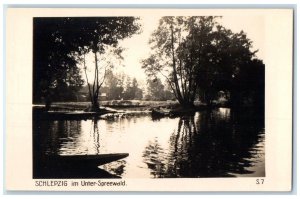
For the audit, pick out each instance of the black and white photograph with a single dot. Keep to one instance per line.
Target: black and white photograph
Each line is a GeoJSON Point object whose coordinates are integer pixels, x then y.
{"type": "Point", "coordinates": [149, 99]}
{"type": "Point", "coordinates": [137, 97]}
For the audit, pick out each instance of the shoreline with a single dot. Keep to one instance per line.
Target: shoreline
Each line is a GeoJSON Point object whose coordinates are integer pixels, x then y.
{"type": "Point", "coordinates": [75, 110]}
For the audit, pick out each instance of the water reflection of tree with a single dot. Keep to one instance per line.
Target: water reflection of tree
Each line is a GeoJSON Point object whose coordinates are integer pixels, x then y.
{"type": "Point", "coordinates": [48, 138]}
{"type": "Point", "coordinates": [50, 135]}
{"type": "Point", "coordinates": [117, 167]}
{"type": "Point", "coordinates": [96, 135]}
{"type": "Point", "coordinates": [209, 145]}
{"type": "Point", "coordinates": [154, 158]}
{"type": "Point", "coordinates": [66, 137]}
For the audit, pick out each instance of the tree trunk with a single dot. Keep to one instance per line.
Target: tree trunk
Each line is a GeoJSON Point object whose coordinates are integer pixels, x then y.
{"type": "Point", "coordinates": [180, 98]}
{"type": "Point", "coordinates": [187, 104]}
{"type": "Point", "coordinates": [94, 98]}
{"type": "Point", "coordinates": [94, 91]}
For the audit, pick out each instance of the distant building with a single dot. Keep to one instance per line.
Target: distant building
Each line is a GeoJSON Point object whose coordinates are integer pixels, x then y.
{"type": "Point", "coordinates": [103, 97]}
{"type": "Point", "coordinates": [83, 94]}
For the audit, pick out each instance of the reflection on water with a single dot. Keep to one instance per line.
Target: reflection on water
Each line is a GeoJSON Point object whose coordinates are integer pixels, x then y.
{"type": "Point", "coordinates": [205, 145]}
{"type": "Point", "coordinates": [217, 143]}
{"type": "Point", "coordinates": [154, 158]}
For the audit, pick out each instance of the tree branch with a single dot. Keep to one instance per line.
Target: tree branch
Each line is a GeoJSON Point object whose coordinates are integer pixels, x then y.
{"type": "Point", "coordinates": [170, 83]}
{"type": "Point", "coordinates": [87, 80]}
{"type": "Point", "coordinates": [105, 72]}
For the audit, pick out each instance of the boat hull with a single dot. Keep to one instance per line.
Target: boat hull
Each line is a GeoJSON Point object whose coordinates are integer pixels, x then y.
{"type": "Point", "coordinates": [75, 166]}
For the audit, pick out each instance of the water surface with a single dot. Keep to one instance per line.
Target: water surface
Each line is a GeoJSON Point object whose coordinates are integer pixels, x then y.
{"type": "Point", "coordinates": [217, 143]}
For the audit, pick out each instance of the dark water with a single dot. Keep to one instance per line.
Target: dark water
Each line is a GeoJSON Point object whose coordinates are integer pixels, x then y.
{"type": "Point", "coordinates": [217, 143]}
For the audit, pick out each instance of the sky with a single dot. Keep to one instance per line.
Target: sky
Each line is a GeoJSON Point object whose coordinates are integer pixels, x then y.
{"type": "Point", "coordinates": [137, 47]}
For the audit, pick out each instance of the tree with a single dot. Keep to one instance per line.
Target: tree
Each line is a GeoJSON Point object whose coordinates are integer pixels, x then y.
{"type": "Point", "coordinates": [155, 89]}
{"type": "Point", "coordinates": [198, 54]}
{"type": "Point", "coordinates": [99, 34]}
{"type": "Point", "coordinates": [68, 88]}
{"type": "Point", "coordinates": [132, 90]}
{"type": "Point", "coordinates": [225, 68]}
{"type": "Point", "coordinates": [179, 45]}
{"type": "Point", "coordinates": [138, 92]}
{"type": "Point", "coordinates": [248, 86]}
{"type": "Point", "coordinates": [55, 74]}
{"type": "Point", "coordinates": [60, 43]}
{"type": "Point", "coordinates": [114, 86]}
{"type": "Point", "coordinates": [168, 94]}
{"type": "Point", "coordinates": [103, 64]}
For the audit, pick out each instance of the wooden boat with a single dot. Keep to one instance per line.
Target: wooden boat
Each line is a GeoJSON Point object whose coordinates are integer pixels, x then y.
{"type": "Point", "coordinates": [75, 166]}
{"type": "Point", "coordinates": [80, 161]}
{"type": "Point", "coordinates": [173, 113]}
{"type": "Point", "coordinates": [39, 113]}
{"type": "Point", "coordinates": [67, 115]}
{"type": "Point", "coordinates": [84, 160]}
{"type": "Point", "coordinates": [160, 113]}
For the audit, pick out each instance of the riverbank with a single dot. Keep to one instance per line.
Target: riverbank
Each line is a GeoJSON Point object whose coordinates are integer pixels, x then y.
{"type": "Point", "coordinates": [117, 108]}
{"type": "Point", "coordinates": [116, 105]}
{"type": "Point", "coordinates": [109, 109]}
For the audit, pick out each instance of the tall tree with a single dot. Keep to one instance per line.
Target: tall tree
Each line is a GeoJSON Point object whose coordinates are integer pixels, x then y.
{"type": "Point", "coordinates": [155, 89]}
{"type": "Point", "coordinates": [229, 55]}
{"type": "Point", "coordinates": [114, 84]}
{"type": "Point", "coordinates": [54, 69]}
{"type": "Point", "coordinates": [198, 54]}
{"type": "Point", "coordinates": [178, 46]}
{"type": "Point", "coordinates": [59, 42]}
{"type": "Point", "coordinates": [98, 35]}
{"type": "Point", "coordinates": [132, 90]}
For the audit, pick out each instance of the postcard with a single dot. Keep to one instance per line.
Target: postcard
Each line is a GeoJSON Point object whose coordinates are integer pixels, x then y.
{"type": "Point", "coordinates": [148, 99]}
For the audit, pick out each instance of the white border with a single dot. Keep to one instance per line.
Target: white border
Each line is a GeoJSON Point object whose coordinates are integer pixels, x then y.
{"type": "Point", "coordinates": [257, 2]}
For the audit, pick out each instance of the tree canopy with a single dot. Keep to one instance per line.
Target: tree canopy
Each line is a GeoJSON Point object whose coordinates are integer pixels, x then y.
{"type": "Point", "coordinates": [158, 91]}
{"type": "Point", "coordinates": [197, 54]}
{"type": "Point", "coordinates": [57, 42]}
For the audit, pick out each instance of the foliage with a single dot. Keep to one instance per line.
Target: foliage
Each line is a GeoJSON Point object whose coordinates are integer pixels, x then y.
{"type": "Point", "coordinates": [54, 70]}
{"type": "Point", "coordinates": [132, 90]}
{"type": "Point", "coordinates": [157, 91]}
{"type": "Point", "coordinates": [179, 45]}
{"type": "Point", "coordinates": [114, 86]}
{"type": "Point", "coordinates": [197, 54]}
{"type": "Point", "coordinates": [58, 42]}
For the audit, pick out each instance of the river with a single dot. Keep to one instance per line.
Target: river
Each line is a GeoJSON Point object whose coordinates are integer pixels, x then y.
{"type": "Point", "coordinates": [216, 143]}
